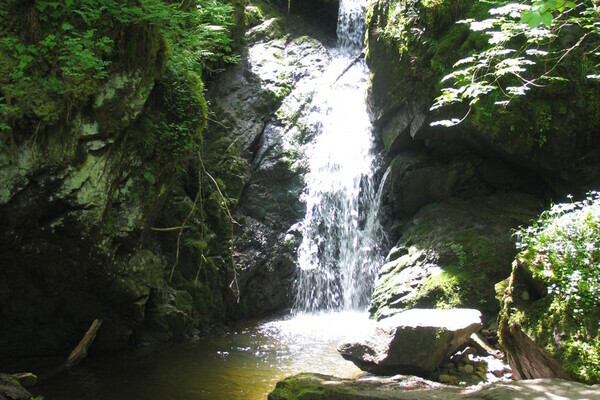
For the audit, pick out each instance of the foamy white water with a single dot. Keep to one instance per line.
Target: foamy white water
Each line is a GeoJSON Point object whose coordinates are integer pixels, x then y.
{"type": "Point", "coordinates": [340, 252]}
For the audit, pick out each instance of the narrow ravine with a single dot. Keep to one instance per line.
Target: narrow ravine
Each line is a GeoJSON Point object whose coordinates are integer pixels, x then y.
{"type": "Point", "coordinates": [338, 259]}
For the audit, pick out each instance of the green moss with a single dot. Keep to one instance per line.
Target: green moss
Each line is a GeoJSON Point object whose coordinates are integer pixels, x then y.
{"type": "Point", "coordinates": [309, 387]}
{"type": "Point", "coordinates": [253, 16]}
{"type": "Point", "coordinates": [170, 129]}
{"type": "Point", "coordinates": [442, 291]}
{"type": "Point", "coordinates": [183, 301]}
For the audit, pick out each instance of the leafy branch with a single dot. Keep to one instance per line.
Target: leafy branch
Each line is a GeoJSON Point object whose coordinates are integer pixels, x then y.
{"type": "Point", "coordinates": [522, 53]}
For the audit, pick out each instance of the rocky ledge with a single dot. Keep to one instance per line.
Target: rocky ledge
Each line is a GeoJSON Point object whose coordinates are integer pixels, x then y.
{"type": "Point", "coordinates": [317, 387]}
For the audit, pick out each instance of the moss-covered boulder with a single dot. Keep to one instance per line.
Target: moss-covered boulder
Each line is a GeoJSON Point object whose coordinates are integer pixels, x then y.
{"type": "Point", "coordinates": [451, 254]}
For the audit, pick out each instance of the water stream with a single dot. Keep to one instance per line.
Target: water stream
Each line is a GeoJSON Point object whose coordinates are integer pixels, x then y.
{"type": "Point", "coordinates": [338, 259]}
{"type": "Point", "coordinates": [340, 252]}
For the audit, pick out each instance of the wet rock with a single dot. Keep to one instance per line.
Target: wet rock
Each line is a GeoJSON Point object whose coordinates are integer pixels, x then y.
{"type": "Point", "coordinates": [267, 30]}
{"type": "Point", "coordinates": [263, 100]}
{"type": "Point", "coordinates": [413, 342]}
{"type": "Point", "coordinates": [11, 389]}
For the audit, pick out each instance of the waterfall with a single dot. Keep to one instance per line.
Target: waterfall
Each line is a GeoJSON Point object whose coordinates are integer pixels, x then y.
{"type": "Point", "coordinates": [339, 255]}
{"type": "Point", "coordinates": [351, 24]}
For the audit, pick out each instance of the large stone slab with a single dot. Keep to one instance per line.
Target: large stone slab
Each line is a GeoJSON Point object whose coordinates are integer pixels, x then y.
{"type": "Point", "coordinates": [317, 387]}
{"type": "Point", "coordinates": [413, 342]}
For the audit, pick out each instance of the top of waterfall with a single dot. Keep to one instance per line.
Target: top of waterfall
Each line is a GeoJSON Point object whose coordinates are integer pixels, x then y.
{"type": "Point", "coordinates": [351, 24]}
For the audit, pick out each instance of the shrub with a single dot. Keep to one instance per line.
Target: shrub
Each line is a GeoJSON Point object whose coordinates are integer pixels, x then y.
{"type": "Point", "coordinates": [562, 250]}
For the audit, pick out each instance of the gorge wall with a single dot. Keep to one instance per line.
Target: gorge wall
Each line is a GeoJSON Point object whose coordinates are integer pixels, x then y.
{"type": "Point", "coordinates": [454, 195]}
{"type": "Point", "coordinates": [138, 204]}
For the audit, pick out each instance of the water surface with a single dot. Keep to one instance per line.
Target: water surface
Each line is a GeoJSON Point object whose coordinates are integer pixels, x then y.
{"type": "Point", "coordinates": [244, 363]}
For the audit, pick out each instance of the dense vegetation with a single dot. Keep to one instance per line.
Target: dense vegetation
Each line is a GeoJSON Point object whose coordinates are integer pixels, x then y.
{"type": "Point", "coordinates": [54, 55]}
{"type": "Point", "coordinates": [561, 252]}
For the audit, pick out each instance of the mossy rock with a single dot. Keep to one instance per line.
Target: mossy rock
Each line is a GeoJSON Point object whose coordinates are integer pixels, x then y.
{"type": "Point", "coordinates": [451, 254]}
{"type": "Point", "coordinates": [413, 44]}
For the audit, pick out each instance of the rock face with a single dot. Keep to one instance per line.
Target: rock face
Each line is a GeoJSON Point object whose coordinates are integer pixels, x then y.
{"type": "Point", "coordinates": [413, 342]}
{"type": "Point", "coordinates": [411, 45]}
{"type": "Point", "coordinates": [453, 195]}
{"type": "Point", "coordinates": [321, 387]}
{"type": "Point", "coordinates": [69, 223]}
{"type": "Point", "coordinates": [84, 205]}
{"type": "Point", "coordinates": [451, 254]}
{"type": "Point", "coordinates": [262, 100]}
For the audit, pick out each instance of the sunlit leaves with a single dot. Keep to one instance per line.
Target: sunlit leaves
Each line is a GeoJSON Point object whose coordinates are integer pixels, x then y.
{"type": "Point", "coordinates": [542, 12]}
{"type": "Point", "coordinates": [523, 38]}
{"type": "Point", "coordinates": [567, 241]}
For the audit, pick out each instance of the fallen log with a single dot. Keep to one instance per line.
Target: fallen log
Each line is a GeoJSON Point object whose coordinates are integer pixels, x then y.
{"type": "Point", "coordinates": [81, 351]}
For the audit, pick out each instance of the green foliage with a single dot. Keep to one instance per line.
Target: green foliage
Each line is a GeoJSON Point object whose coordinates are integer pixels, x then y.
{"type": "Point", "coordinates": [4, 109]}
{"type": "Point", "coordinates": [173, 129]}
{"type": "Point", "coordinates": [566, 240]}
{"type": "Point", "coordinates": [562, 250]}
{"type": "Point", "coordinates": [54, 55]}
{"type": "Point", "coordinates": [527, 45]}
{"type": "Point", "coordinates": [542, 12]}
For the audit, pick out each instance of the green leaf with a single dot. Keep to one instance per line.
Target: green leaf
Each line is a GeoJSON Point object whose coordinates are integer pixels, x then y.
{"type": "Point", "coordinates": [546, 19]}
{"type": "Point", "coordinates": [535, 20]}
{"type": "Point", "coordinates": [149, 176]}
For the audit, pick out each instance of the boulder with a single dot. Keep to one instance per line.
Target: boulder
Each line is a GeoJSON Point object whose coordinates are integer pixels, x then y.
{"type": "Point", "coordinates": [11, 389]}
{"type": "Point", "coordinates": [451, 254]}
{"type": "Point", "coordinates": [413, 342]}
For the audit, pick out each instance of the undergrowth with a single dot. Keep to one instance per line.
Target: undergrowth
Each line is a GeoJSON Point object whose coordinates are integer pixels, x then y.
{"type": "Point", "coordinates": [55, 55]}
{"type": "Point", "coordinates": [562, 250]}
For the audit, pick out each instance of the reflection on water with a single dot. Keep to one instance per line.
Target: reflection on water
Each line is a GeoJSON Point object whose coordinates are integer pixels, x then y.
{"type": "Point", "coordinates": [242, 364]}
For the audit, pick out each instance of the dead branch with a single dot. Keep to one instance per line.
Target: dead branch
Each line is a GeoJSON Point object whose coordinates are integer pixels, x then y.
{"type": "Point", "coordinates": [81, 351]}
{"type": "Point", "coordinates": [357, 59]}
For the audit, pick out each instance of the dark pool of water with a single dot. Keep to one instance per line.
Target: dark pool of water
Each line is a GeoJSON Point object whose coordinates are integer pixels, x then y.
{"type": "Point", "coordinates": [245, 364]}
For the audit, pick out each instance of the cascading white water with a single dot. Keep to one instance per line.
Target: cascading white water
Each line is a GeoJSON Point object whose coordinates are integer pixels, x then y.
{"type": "Point", "coordinates": [351, 24]}
{"type": "Point", "coordinates": [339, 255]}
